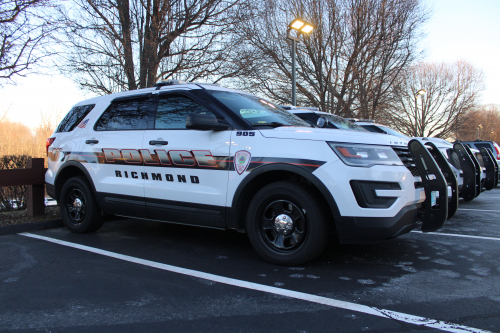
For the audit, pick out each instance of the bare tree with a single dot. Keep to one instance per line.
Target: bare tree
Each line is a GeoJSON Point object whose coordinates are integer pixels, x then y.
{"type": "Point", "coordinates": [115, 45]}
{"type": "Point", "coordinates": [481, 122]}
{"type": "Point", "coordinates": [22, 34]}
{"type": "Point", "coordinates": [347, 65]}
{"type": "Point", "coordinates": [450, 91]}
{"type": "Point", "coordinates": [3, 113]}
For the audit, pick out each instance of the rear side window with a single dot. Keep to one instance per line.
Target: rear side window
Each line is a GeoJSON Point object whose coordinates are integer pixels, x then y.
{"type": "Point", "coordinates": [173, 110]}
{"type": "Point", "coordinates": [131, 114]}
{"type": "Point", "coordinates": [74, 117]}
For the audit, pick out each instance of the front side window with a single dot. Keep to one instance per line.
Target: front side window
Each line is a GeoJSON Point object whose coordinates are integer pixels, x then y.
{"type": "Point", "coordinates": [173, 110]}
{"type": "Point", "coordinates": [126, 115]}
{"type": "Point", "coordinates": [74, 117]}
{"type": "Point", "coordinates": [257, 111]}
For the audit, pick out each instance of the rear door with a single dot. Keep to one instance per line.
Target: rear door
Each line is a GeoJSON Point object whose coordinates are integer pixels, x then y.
{"type": "Point", "coordinates": [112, 150]}
{"type": "Point", "coordinates": [187, 170]}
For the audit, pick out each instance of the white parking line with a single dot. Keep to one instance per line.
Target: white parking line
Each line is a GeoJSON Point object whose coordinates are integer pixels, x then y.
{"type": "Point", "coordinates": [480, 210]}
{"type": "Point", "coordinates": [456, 235]}
{"type": "Point", "coordinates": [403, 317]}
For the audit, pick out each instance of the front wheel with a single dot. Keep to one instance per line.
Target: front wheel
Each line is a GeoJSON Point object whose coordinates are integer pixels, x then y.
{"type": "Point", "coordinates": [79, 210]}
{"type": "Point", "coordinates": [286, 224]}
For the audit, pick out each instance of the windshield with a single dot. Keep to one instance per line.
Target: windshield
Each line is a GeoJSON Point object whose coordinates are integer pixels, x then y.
{"type": "Point", "coordinates": [384, 129]}
{"type": "Point", "coordinates": [391, 131]}
{"type": "Point", "coordinates": [342, 123]}
{"type": "Point", "coordinates": [257, 111]}
{"type": "Point", "coordinates": [334, 121]}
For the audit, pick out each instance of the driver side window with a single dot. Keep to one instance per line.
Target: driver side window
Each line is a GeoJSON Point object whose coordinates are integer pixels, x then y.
{"type": "Point", "coordinates": [173, 110]}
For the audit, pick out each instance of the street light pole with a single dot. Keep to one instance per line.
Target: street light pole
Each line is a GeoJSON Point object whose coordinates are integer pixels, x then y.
{"type": "Point", "coordinates": [478, 128]}
{"type": "Point", "coordinates": [294, 77]}
{"type": "Point", "coordinates": [421, 92]}
{"type": "Point", "coordinates": [300, 26]}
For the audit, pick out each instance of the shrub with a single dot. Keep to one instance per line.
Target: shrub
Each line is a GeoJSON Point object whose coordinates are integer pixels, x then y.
{"type": "Point", "coordinates": [13, 197]}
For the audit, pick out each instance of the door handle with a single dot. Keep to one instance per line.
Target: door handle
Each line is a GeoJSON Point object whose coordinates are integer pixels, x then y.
{"type": "Point", "coordinates": [158, 142]}
{"type": "Point", "coordinates": [91, 141]}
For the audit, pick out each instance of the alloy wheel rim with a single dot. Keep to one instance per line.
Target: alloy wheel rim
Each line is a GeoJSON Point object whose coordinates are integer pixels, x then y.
{"type": "Point", "coordinates": [76, 206]}
{"type": "Point", "coordinates": [283, 226]}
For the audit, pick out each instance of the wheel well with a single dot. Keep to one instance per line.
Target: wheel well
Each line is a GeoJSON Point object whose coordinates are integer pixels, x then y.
{"type": "Point", "coordinates": [64, 175]}
{"type": "Point", "coordinates": [267, 178]}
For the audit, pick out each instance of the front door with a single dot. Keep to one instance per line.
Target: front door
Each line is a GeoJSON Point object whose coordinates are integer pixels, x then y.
{"type": "Point", "coordinates": [187, 170]}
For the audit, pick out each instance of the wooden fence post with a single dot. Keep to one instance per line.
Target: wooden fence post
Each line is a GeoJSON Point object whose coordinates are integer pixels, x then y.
{"type": "Point", "coordinates": [36, 193]}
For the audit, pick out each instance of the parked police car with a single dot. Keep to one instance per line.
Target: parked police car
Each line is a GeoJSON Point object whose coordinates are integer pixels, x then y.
{"type": "Point", "coordinates": [215, 157]}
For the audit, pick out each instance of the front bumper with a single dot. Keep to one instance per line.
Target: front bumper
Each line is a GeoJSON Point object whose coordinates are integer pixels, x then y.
{"type": "Point", "coordinates": [365, 230]}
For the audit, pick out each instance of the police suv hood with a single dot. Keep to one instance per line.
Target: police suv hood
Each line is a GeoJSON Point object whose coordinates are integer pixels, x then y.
{"type": "Point", "coordinates": [334, 135]}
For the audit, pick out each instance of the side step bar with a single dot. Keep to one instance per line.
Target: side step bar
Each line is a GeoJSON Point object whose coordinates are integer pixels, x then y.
{"type": "Point", "coordinates": [434, 216]}
{"type": "Point", "coordinates": [448, 174]}
{"type": "Point", "coordinates": [469, 172]}
{"type": "Point", "coordinates": [491, 169]}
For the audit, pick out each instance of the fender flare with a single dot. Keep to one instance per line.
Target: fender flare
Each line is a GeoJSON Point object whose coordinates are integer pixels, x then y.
{"type": "Point", "coordinates": [79, 166]}
{"type": "Point", "coordinates": [290, 168]}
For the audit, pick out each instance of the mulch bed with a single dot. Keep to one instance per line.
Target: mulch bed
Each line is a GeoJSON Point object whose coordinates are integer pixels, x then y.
{"type": "Point", "coordinates": [20, 216]}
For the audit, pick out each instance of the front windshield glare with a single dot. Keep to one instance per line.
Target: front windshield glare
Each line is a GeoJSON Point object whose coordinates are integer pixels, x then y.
{"type": "Point", "coordinates": [257, 111]}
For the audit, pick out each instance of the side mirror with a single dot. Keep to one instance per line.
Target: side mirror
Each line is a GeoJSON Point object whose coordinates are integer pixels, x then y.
{"type": "Point", "coordinates": [322, 122]}
{"type": "Point", "coordinates": [204, 122]}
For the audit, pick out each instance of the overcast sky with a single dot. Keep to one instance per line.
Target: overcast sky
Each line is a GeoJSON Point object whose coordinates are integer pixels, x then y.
{"type": "Point", "coordinates": [458, 30]}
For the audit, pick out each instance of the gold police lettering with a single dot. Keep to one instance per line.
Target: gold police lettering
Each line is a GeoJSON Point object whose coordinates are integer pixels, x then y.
{"type": "Point", "coordinates": [160, 157]}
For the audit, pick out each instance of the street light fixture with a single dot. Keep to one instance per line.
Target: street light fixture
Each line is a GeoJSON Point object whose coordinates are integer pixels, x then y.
{"type": "Point", "coordinates": [421, 92]}
{"type": "Point", "coordinates": [300, 26]}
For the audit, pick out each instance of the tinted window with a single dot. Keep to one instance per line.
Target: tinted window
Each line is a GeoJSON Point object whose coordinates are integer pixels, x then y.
{"type": "Point", "coordinates": [74, 117]}
{"type": "Point", "coordinates": [373, 129]}
{"type": "Point", "coordinates": [126, 115]}
{"type": "Point", "coordinates": [173, 110]}
{"type": "Point", "coordinates": [257, 111]}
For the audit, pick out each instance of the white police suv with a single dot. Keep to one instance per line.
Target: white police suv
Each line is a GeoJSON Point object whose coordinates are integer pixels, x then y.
{"type": "Point", "coordinates": [215, 157]}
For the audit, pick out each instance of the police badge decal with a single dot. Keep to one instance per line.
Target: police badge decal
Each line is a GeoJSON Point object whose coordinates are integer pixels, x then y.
{"type": "Point", "coordinates": [241, 161]}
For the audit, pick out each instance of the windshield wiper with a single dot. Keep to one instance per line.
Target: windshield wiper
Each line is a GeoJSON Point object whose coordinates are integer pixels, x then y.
{"type": "Point", "coordinates": [271, 124]}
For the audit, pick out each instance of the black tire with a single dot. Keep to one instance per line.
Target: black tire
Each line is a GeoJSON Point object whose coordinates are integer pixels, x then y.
{"type": "Point", "coordinates": [270, 231]}
{"type": "Point", "coordinates": [79, 210]}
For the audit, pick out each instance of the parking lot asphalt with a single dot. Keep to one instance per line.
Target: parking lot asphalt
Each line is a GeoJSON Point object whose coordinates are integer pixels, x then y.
{"type": "Point", "coordinates": [136, 275]}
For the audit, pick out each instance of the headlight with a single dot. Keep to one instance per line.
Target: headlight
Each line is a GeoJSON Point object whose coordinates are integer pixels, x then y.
{"type": "Point", "coordinates": [365, 155]}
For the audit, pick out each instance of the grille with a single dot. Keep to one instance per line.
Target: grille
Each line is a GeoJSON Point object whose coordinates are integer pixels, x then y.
{"type": "Point", "coordinates": [407, 158]}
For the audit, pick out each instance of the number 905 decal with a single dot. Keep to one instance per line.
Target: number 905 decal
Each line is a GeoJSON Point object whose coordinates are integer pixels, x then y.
{"type": "Point", "coordinates": [245, 133]}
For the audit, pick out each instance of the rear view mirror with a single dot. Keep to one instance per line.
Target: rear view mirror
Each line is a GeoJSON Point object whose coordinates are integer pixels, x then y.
{"type": "Point", "coordinates": [322, 122]}
{"type": "Point", "coordinates": [204, 122]}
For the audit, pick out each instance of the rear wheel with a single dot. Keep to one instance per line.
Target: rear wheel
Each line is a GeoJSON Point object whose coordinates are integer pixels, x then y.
{"type": "Point", "coordinates": [79, 210]}
{"type": "Point", "coordinates": [286, 225]}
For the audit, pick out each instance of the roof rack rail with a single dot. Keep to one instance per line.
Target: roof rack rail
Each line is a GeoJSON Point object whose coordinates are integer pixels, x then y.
{"type": "Point", "coordinates": [162, 83]}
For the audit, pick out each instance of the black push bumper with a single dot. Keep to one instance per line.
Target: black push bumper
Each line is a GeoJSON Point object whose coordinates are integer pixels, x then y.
{"type": "Point", "coordinates": [362, 230]}
{"type": "Point", "coordinates": [432, 214]}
